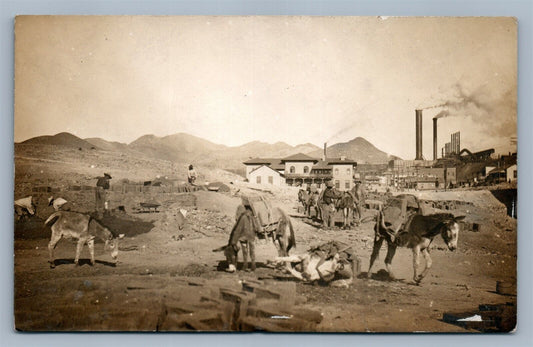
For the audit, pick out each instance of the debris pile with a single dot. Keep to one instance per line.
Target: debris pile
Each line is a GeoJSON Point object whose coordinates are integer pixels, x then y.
{"type": "Point", "coordinates": [257, 305]}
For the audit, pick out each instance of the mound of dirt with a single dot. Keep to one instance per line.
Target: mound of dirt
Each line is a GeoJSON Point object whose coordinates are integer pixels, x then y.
{"type": "Point", "coordinates": [217, 202]}
{"type": "Point", "coordinates": [34, 228]}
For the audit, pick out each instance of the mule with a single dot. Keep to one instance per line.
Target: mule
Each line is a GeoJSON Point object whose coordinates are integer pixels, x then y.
{"type": "Point", "coordinates": [303, 198]}
{"type": "Point", "coordinates": [312, 202]}
{"type": "Point", "coordinates": [242, 235]}
{"type": "Point", "coordinates": [418, 234]}
{"type": "Point", "coordinates": [346, 203]}
{"type": "Point", "coordinates": [80, 227]}
{"type": "Point", "coordinates": [283, 234]}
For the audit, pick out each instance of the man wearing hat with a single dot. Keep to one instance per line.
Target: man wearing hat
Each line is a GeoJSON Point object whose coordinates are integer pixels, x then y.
{"type": "Point", "coordinates": [327, 203]}
{"type": "Point", "coordinates": [102, 184]}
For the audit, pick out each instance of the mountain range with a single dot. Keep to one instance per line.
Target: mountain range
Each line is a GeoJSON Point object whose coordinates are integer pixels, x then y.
{"type": "Point", "coordinates": [185, 148]}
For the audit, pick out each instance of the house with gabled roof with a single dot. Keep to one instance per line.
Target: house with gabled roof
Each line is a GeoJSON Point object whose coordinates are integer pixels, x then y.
{"type": "Point", "coordinates": [300, 169]}
{"type": "Point", "coordinates": [265, 174]}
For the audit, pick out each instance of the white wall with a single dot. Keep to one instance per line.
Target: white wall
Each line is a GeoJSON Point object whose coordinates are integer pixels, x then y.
{"type": "Point", "coordinates": [264, 173]}
{"type": "Point", "coordinates": [512, 173]}
{"type": "Point", "coordinates": [343, 175]}
{"type": "Point", "coordinates": [299, 167]}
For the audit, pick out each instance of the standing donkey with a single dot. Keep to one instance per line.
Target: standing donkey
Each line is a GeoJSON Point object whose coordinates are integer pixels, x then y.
{"type": "Point", "coordinates": [80, 227]}
{"type": "Point", "coordinates": [417, 234]}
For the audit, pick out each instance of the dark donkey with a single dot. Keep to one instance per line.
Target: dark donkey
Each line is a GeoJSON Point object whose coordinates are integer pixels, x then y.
{"type": "Point", "coordinates": [346, 204]}
{"type": "Point", "coordinates": [417, 235]}
{"type": "Point", "coordinates": [242, 235]}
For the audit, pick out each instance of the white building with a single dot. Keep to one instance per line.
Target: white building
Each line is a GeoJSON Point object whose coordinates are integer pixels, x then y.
{"type": "Point", "coordinates": [300, 169]}
{"type": "Point", "coordinates": [266, 175]}
{"type": "Point", "coordinates": [511, 173]}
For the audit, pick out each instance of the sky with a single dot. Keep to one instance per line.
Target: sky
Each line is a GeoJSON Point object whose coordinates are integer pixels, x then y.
{"type": "Point", "coordinates": [232, 80]}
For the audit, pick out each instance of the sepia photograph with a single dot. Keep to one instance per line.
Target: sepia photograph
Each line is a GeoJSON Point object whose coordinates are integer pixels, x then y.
{"type": "Point", "coordinates": [287, 174]}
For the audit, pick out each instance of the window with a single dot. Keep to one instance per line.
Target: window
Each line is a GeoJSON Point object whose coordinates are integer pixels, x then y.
{"type": "Point", "coordinates": [514, 173]}
{"type": "Point", "coordinates": [348, 171]}
{"type": "Point", "coordinates": [270, 179]}
{"type": "Point", "coordinates": [347, 184]}
{"type": "Point", "coordinates": [258, 179]}
{"type": "Point", "coordinates": [337, 184]}
{"type": "Point", "coordinates": [336, 171]}
{"type": "Point", "coordinates": [292, 169]}
{"type": "Point", "coordinates": [306, 169]}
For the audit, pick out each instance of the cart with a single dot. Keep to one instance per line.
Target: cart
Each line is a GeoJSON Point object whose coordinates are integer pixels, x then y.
{"type": "Point", "coordinates": [150, 206]}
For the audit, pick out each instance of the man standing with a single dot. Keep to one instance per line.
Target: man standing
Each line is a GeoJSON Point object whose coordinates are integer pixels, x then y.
{"type": "Point", "coordinates": [327, 203]}
{"type": "Point", "coordinates": [102, 185]}
{"type": "Point", "coordinates": [191, 175]}
{"type": "Point", "coordinates": [358, 194]}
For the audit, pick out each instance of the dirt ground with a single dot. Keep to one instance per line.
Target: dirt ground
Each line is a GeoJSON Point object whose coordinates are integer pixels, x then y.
{"type": "Point", "coordinates": [156, 251]}
{"type": "Point", "coordinates": [165, 265]}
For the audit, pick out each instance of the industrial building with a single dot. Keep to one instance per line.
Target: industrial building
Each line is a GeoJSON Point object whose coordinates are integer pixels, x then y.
{"type": "Point", "coordinates": [455, 167]}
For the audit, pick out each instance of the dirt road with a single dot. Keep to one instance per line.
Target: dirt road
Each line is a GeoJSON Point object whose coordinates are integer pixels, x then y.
{"type": "Point", "coordinates": [163, 269]}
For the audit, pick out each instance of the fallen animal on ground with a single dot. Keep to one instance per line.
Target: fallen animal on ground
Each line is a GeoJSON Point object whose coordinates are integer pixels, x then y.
{"type": "Point", "coordinates": [24, 207]}
{"type": "Point", "coordinates": [242, 235]}
{"type": "Point", "coordinates": [79, 227]}
{"type": "Point", "coordinates": [333, 263]}
{"type": "Point", "coordinates": [418, 234]}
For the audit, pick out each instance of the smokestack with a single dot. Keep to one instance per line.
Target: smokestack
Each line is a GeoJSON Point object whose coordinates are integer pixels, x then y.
{"type": "Point", "coordinates": [434, 138]}
{"type": "Point", "coordinates": [418, 119]}
{"type": "Point", "coordinates": [325, 152]}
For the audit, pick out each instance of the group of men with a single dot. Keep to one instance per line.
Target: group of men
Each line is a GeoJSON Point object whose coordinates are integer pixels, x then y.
{"type": "Point", "coordinates": [326, 201]}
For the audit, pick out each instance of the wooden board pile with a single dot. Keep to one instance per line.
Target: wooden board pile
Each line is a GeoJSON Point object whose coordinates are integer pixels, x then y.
{"type": "Point", "coordinates": [258, 305]}
{"type": "Point", "coordinates": [488, 318]}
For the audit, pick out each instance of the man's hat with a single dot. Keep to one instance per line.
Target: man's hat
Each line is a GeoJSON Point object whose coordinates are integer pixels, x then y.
{"type": "Point", "coordinates": [107, 175]}
{"type": "Point", "coordinates": [329, 184]}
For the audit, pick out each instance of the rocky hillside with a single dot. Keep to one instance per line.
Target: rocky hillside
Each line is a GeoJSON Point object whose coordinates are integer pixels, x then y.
{"type": "Point", "coordinates": [184, 149]}
{"type": "Point", "coordinates": [107, 145]}
{"type": "Point", "coordinates": [61, 139]}
{"type": "Point", "coordinates": [357, 149]}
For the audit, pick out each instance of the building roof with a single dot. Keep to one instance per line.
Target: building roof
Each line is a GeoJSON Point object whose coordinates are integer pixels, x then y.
{"type": "Point", "coordinates": [321, 164]}
{"type": "Point", "coordinates": [299, 157]}
{"type": "Point", "coordinates": [278, 166]}
{"type": "Point", "coordinates": [268, 167]}
{"type": "Point", "coordinates": [338, 161]}
{"type": "Point", "coordinates": [262, 161]}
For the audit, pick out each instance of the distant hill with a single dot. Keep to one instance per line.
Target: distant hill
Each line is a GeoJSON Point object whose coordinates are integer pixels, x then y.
{"type": "Point", "coordinates": [61, 139]}
{"type": "Point", "coordinates": [357, 149]}
{"type": "Point", "coordinates": [188, 149]}
{"type": "Point", "coordinates": [179, 147]}
{"type": "Point", "coordinates": [107, 145]}
{"type": "Point", "coordinates": [233, 157]}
